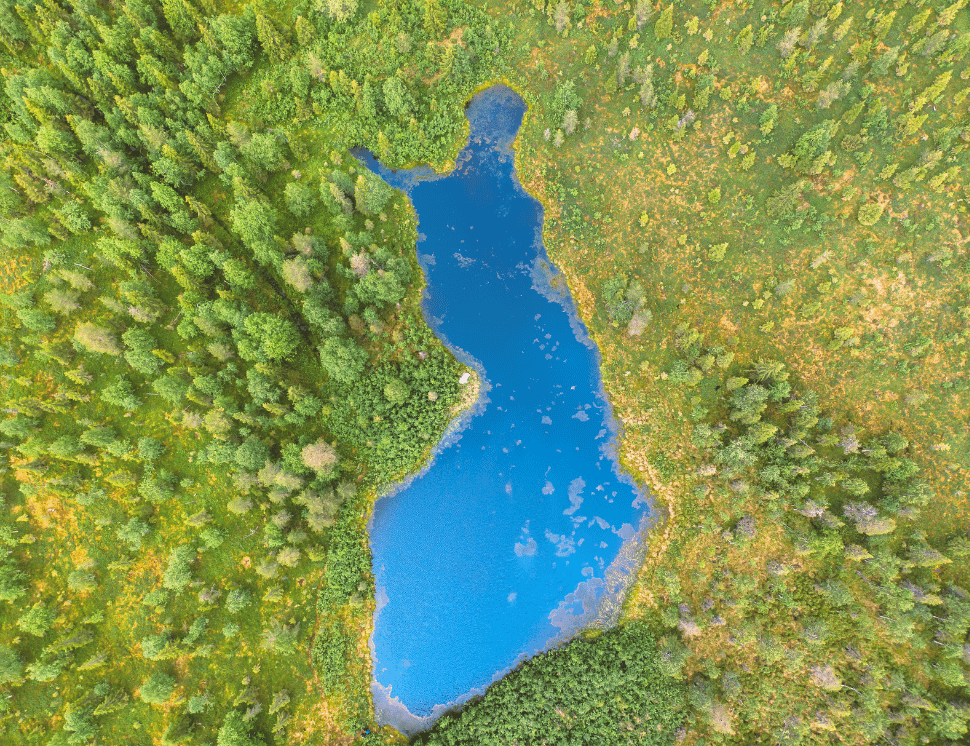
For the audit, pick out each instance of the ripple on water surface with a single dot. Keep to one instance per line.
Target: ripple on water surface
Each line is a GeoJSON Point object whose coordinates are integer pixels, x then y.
{"type": "Point", "coordinates": [513, 536]}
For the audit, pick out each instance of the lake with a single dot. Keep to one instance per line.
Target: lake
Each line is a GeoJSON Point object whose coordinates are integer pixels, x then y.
{"type": "Point", "coordinates": [511, 539]}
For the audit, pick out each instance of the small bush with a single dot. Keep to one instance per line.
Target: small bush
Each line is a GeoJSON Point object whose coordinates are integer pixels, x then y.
{"type": "Point", "coordinates": [36, 620]}
{"type": "Point", "coordinates": [157, 688]}
{"type": "Point", "coordinates": [870, 213]}
{"type": "Point", "coordinates": [96, 338]}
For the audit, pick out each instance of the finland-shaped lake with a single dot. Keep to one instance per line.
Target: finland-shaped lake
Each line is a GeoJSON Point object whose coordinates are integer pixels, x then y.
{"type": "Point", "coordinates": [511, 540]}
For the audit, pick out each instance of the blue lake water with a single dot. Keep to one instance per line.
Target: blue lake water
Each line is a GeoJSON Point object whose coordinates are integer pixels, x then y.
{"type": "Point", "coordinates": [509, 541]}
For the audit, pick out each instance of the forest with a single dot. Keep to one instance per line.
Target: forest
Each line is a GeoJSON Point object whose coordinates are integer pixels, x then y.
{"type": "Point", "coordinates": [214, 358]}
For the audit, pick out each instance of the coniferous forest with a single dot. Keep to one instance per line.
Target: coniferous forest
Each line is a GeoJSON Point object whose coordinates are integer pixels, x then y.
{"type": "Point", "coordinates": [213, 359]}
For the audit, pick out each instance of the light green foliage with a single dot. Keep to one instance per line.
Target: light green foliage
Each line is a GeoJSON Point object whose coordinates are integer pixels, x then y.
{"type": "Point", "coordinates": [300, 198]}
{"type": "Point", "coordinates": [396, 391]}
{"type": "Point", "coordinates": [578, 688]}
{"type": "Point", "coordinates": [783, 477]}
{"type": "Point", "coordinates": [252, 454]}
{"type": "Point", "coordinates": [340, 11]}
{"type": "Point", "coordinates": [275, 335]}
{"type": "Point", "coordinates": [237, 600]}
{"type": "Point", "coordinates": [11, 666]}
{"type": "Point", "coordinates": [96, 339]}
{"type": "Point", "coordinates": [150, 448]}
{"type": "Point", "coordinates": [870, 213]}
{"type": "Point", "coordinates": [371, 193]}
{"type": "Point", "coordinates": [768, 120]}
{"type": "Point", "coordinates": [664, 24]}
{"type": "Point", "coordinates": [343, 361]}
{"type": "Point", "coordinates": [235, 732]}
{"type": "Point", "coordinates": [81, 580]}
{"type": "Point", "coordinates": [36, 620]}
{"type": "Point", "coordinates": [157, 157]}
{"type": "Point", "coordinates": [157, 689]}
{"type": "Point", "coordinates": [171, 388]}
{"type": "Point", "coordinates": [397, 97]}
{"type": "Point", "coordinates": [178, 571]}
{"type": "Point", "coordinates": [158, 647]}
{"type": "Point", "coordinates": [717, 252]}
{"type": "Point", "coordinates": [320, 456]}
{"type": "Point", "coordinates": [133, 533]}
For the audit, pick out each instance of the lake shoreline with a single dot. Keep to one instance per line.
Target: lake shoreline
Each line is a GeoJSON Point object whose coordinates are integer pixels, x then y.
{"type": "Point", "coordinates": [552, 284]}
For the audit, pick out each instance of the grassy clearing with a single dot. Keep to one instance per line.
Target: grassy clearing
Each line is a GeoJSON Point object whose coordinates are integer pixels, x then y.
{"type": "Point", "coordinates": [847, 259]}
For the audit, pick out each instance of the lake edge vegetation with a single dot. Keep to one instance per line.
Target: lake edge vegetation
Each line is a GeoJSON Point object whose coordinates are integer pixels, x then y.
{"type": "Point", "coordinates": [760, 214]}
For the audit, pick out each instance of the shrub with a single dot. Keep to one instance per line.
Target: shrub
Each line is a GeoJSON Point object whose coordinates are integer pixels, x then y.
{"type": "Point", "coordinates": [717, 252]}
{"type": "Point", "coordinates": [157, 688]}
{"type": "Point", "coordinates": [10, 665]}
{"type": "Point", "coordinates": [97, 339]}
{"type": "Point", "coordinates": [178, 572]}
{"type": "Point", "coordinates": [36, 620]}
{"type": "Point", "coordinates": [870, 213]}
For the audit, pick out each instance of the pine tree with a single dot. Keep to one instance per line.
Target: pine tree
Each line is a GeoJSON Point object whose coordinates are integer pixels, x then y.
{"type": "Point", "coordinates": [622, 69]}
{"type": "Point", "coordinates": [561, 16]}
{"type": "Point", "coordinates": [435, 18]}
{"type": "Point", "coordinates": [339, 10]}
{"type": "Point", "coordinates": [647, 97]}
{"type": "Point", "coordinates": [642, 12]}
{"type": "Point", "coordinates": [665, 24]}
{"type": "Point", "coordinates": [745, 39]}
{"type": "Point", "coordinates": [570, 121]}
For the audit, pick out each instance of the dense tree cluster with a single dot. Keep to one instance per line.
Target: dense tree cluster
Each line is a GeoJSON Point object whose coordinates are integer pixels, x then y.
{"type": "Point", "coordinates": [210, 299]}
{"type": "Point", "coordinates": [607, 689]}
{"type": "Point", "coordinates": [847, 612]}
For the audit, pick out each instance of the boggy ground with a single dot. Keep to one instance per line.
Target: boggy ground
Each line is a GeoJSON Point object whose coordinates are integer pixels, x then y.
{"type": "Point", "coordinates": [786, 186]}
